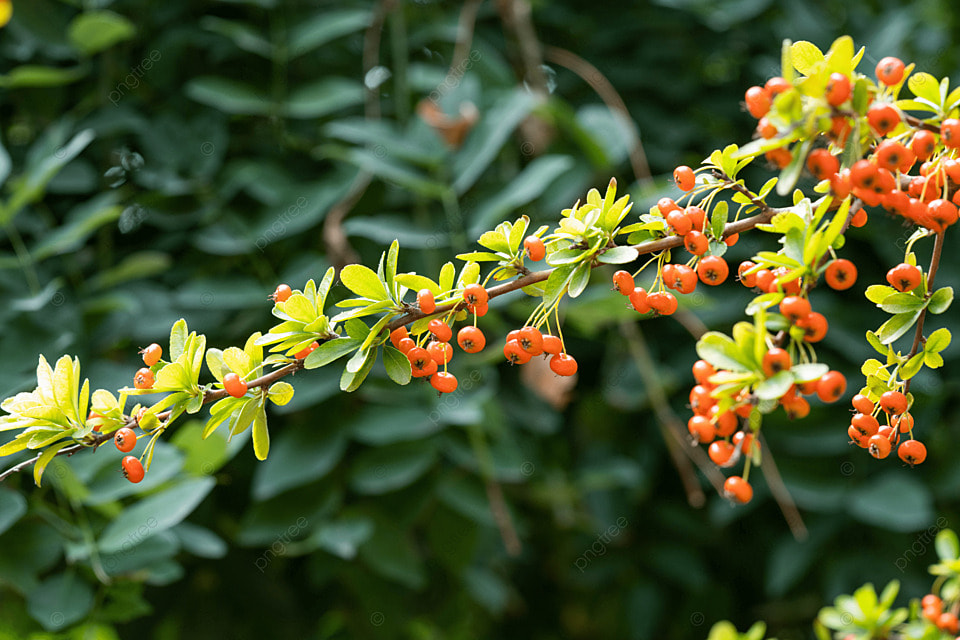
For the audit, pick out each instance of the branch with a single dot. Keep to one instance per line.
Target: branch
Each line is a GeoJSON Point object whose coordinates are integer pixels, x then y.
{"type": "Point", "coordinates": [931, 274]}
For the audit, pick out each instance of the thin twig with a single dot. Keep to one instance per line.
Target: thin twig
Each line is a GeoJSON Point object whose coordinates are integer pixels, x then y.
{"type": "Point", "coordinates": [671, 428]}
{"type": "Point", "coordinates": [465, 25]}
{"type": "Point", "coordinates": [780, 493]}
{"type": "Point", "coordinates": [608, 93]}
{"type": "Point", "coordinates": [931, 274]}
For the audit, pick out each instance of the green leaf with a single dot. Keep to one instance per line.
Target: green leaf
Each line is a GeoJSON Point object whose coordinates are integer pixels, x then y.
{"type": "Point", "coordinates": [416, 282]}
{"type": "Point", "coordinates": [300, 455]}
{"type": "Point", "coordinates": [306, 35]}
{"type": "Point", "coordinates": [94, 31]}
{"type": "Point", "coordinates": [60, 601]}
{"type": "Point", "coordinates": [13, 506]}
{"type": "Point", "coordinates": [351, 380]}
{"type": "Point", "coordinates": [32, 75]}
{"type": "Point", "coordinates": [388, 468]}
{"type": "Point", "coordinates": [280, 393]}
{"type": "Point", "coordinates": [329, 351]}
{"type": "Point", "coordinates": [902, 303]}
{"type": "Point", "coordinates": [805, 56]}
{"type": "Point", "coordinates": [870, 502]}
{"type": "Point", "coordinates": [937, 341]}
{"type": "Point", "coordinates": [362, 281]}
{"type": "Point", "coordinates": [775, 386]}
{"type": "Point", "coordinates": [261, 436]}
{"type": "Point", "coordinates": [322, 97]}
{"type": "Point", "coordinates": [178, 338]}
{"type": "Point", "coordinates": [808, 371]}
{"type": "Point", "coordinates": [947, 545]}
{"type": "Point", "coordinates": [397, 365]}
{"type": "Point", "coordinates": [342, 538]}
{"type": "Point", "coordinates": [874, 341]}
{"type": "Point", "coordinates": [488, 137]}
{"type": "Point", "coordinates": [721, 351]}
{"type": "Point", "coordinates": [159, 512]}
{"type": "Point", "coordinates": [45, 458]}
{"type": "Point", "coordinates": [896, 326]}
{"type": "Point", "coordinates": [718, 218]}
{"type": "Point", "coordinates": [912, 367]}
{"type": "Point", "coordinates": [941, 300]}
{"type": "Point", "coordinates": [229, 96]}
{"type": "Point", "coordinates": [924, 85]}
{"type": "Point", "coordinates": [619, 255]}
{"type": "Point", "coordinates": [932, 360]}
{"type": "Point", "coordinates": [579, 280]}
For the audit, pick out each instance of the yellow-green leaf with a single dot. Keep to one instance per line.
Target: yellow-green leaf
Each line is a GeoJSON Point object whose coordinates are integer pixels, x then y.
{"type": "Point", "coordinates": [805, 56]}
{"type": "Point", "coordinates": [261, 437]}
{"type": "Point", "coordinates": [363, 281]}
{"type": "Point", "coordinates": [45, 458]}
{"type": "Point", "coordinates": [280, 393]}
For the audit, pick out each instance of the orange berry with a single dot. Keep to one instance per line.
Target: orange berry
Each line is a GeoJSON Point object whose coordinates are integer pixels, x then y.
{"type": "Point", "coordinates": [841, 274]}
{"type": "Point", "coordinates": [736, 489]}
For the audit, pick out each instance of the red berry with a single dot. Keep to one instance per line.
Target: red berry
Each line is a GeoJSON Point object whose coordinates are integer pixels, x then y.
{"type": "Point", "coordinates": [883, 118]}
{"type": "Point", "coordinates": [441, 352]}
{"type": "Point", "coordinates": [702, 370]}
{"type": "Point", "coordinates": [736, 489]}
{"type": "Point", "coordinates": [151, 355]}
{"type": "Point", "coordinates": [878, 446]}
{"type": "Point", "coordinates": [534, 247]}
{"type": "Point", "coordinates": [132, 469]}
{"type": "Point", "coordinates": [422, 363]}
{"type": "Point", "coordinates": [776, 85]}
{"type": "Point", "coordinates": [531, 340]}
{"type": "Point", "coordinates": [680, 222]}
{"type": "Point", "coordinates": [282, 292]}
{"type": "Point", "coordinates": [893, 402]}
{"type": "Point", "coordinates": [663, 302]}
{"type": "Point", "coordinates": [713, 270]}
{"type": "Point", "coordinates": [862, 404]}
{"type": "Point", "coordinates": [552, 344]}
{"type": "Point", "coordinates": [841, 274]}
{"type": "Point", "coordinates": [125, 439]}
{"type": "Point", "coordinates": [143, 379]}
{"type": "Point", "coordinates": [775, 360]}
{"type": "Point", "coordinates": [405, 345]}
{"type": "Point", "coordinates": [471, 339]}
{"type": "Point", "coordinates": [696, 243]}
{"type": "Point", "coordinates": [950, 133]}
{"type": "Point", "coordinates": [426, 301]}
{"type": "Point", "coordinates": [904, 277]}
{"type": "Point", "coordinates": [563, 364]}
{"type": "Point", "coordinates": [623, 282]}
{"type": "Point", "coordinates": [475, 294]}
{"type": "Point", "coordinates": [890, 70]}
{"type": "Point", "coordinates": [924, 144]}
{"type": "Point", "coordinates": [864, 174]}
{"type": "Point", "coordinates": [234, 385]}
{"type": "Point", "coordinates": [720, 452]}
{"type": "Point", "coordinates": [683, 176]}
{"type": "Point", "coordinates": [303, 353]}
{"type": "Point", "coordinates": [749, 280]}
{"type": "Point", "coordinates": [795, 308]}
{"type": "Point", "coordinates": [822, 164]}
{"type": "Point", "coordinates": [440, 330]}
{"type": "Point", "coordinates": [397, 335]}
{"type": "Point", "coordinates": [702, 429]}
{"type": "Point", "coordinates": [638, 299]}
{"type": "Point", "coordinates": [814, 326]}
{"type": "Point", "coordinates": [838, 89]}
{"type": "Point", "coordinates": [865, 424]}
{"type": "Point", "coordinates": [514, 353]}
{"type": "Point", "coordinates": [831, 386]}
{"type": "Point", "coordinates": [758, 101]}
{"type": "Point", "coordinates": [444, 382]}
{"type": "Point", "coordinates": [912, 452]}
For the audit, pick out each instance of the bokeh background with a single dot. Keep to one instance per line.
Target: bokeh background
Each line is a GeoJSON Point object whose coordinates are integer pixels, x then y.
{"type": "Point", "coordinates": [180, 158]}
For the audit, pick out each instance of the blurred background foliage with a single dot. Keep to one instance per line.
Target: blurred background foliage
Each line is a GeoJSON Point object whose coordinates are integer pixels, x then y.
{"type": "Point", "coordinates": [180, 158]}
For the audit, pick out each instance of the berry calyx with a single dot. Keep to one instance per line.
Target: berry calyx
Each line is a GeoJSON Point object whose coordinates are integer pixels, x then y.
{"type": "Point", "coordinates": [426, 301]}
{"type": "Point", "coordinates": [151, 355]}
{"type": "Point", "coordinates": [233, 385]}
{"type": "Point", "coordinates": [143, 379]}
{"type": "Point", "coordinates": [282, 293]}
{"type": "Point", "coordinates": [444, 382]}
{"type": "Point", "coordinates": [534, 248]}
{"type": "Point", "coordinates": [125, 439]}
{"type": "Point", "coordinates": [471, 339]}
{"type": "Point", "coordinates": [563, 364]}
{"type": "Point", "coordinates": [132, 469]}
{"type": "Point", "coordinates": [736, 489]}
{"type": "Point", "coordinates": [814, 326]}
{"type": "Point", "coordinates": [878, 446]}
